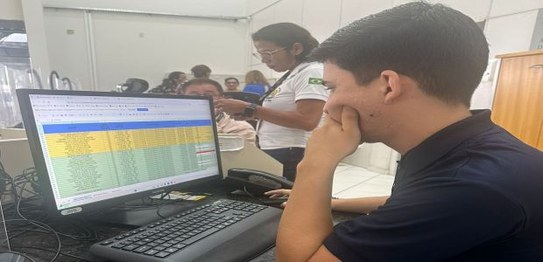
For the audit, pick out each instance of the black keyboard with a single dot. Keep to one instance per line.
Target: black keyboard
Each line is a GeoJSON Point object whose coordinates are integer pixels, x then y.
{"type": "Point", "coordinates": [225, 230]}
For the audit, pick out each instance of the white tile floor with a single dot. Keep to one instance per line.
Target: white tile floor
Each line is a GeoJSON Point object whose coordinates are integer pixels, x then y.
{"type": "Point", "coordinates": [353, 181]}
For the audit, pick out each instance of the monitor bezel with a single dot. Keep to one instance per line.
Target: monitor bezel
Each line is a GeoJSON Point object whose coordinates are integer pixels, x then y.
{"type": "Point", "coordinates": [45, 188]}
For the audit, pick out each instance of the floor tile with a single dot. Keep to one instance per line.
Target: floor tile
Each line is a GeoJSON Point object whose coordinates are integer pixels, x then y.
{"type": "Point", "coordinates": [353, 181]}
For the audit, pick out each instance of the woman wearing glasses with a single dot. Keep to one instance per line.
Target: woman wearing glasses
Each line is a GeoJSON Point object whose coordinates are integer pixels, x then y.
{"type": "Point", "coordinates": [293, 106]}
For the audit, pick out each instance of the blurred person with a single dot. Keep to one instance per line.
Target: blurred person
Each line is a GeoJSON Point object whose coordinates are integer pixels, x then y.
{"type": "Point", "coordinates": [231, 84]}
{"type": "Point", "coordinates": [170, 84]}
{"type": "Point", "coordinates": [201, 71]}
{"type": "Point", "coordinates": [255, 82]}
{"type": "Point", "coordinates": [225, 124]}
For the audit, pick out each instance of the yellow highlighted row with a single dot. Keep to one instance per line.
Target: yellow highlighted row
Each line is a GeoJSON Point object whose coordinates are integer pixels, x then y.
{"type": "Point", "coordinates": [82, 143]}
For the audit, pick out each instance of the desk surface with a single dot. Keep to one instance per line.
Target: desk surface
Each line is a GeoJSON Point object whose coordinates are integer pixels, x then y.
{"type": "Point", "coordinates": [79, 234]}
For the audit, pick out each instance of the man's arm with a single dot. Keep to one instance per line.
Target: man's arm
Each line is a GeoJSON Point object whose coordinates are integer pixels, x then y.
{"type": "Point", "coordinates": [307, 218]}
{"type": "Point", "coordinates": [360, 205]}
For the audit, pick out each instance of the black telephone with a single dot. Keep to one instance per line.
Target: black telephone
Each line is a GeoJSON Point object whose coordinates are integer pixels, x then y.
{"type": "Point", "coordinates": [255, 181]}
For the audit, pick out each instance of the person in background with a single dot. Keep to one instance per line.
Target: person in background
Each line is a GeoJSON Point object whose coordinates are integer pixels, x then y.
{"type": "Point", "coordinates": [255, 82]}
{"type": "Point", "coordinates": [171, 84]}
{"type": "Point", "coordinates": [294, 108]}
{"type": "Point", "coordinates": [465, 189]}
{"type": "Point", "coordinates": [201, 71]}
{"type": "Point", "coordinates": [231, 84]}
{"type": "Point", "coordinates": [225, 124]}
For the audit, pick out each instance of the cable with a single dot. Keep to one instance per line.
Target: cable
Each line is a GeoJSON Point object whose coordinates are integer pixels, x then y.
{"type": "Point", "coordinates": [161, 204]}
{"type": "Point", "coordinates": [43, 226]}
{"type": "Point", "coordinates": [89, 234]}
{"type": "Point", "coordinates": [18, 186]}
{"type": "Point", "coordinates": [61, 253]}
{"type": "Point", "coordinates": [22, 254]}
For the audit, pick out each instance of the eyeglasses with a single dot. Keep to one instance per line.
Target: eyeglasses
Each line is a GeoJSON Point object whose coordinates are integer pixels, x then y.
{"type": "Point", "coordinates": [267, 54]}
{"type": "Point", "coordinates": [232, 83]}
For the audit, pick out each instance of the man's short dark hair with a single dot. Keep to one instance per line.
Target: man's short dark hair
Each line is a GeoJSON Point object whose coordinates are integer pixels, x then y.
{"type": "Point", "coordinates": [202, 81]}
{"type": "Point", "coordinates": [440, 48]}
{"type": "Point", "coordinates": [231, 78]}
{"type": "Point", "coordinates": [201, 71]}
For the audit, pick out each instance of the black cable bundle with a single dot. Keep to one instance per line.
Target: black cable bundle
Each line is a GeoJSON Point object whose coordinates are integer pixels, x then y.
{"type": "Point", "coordinates": [27, 218]}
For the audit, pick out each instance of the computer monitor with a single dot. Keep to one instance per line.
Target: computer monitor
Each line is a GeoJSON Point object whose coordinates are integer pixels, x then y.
{"type": "Point", "coordinates": [95, 150]}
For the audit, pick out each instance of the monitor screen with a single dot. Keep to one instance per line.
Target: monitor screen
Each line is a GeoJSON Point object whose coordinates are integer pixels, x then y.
{"type": "Point", "coordinates": [95, 149]}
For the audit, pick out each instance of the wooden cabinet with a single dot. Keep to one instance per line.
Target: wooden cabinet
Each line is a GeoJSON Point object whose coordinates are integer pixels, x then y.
{"type": "Point", "coordinates": [518, 101]}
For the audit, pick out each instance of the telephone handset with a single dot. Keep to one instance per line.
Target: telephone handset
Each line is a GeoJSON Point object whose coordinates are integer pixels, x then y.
{"type": "Point", "coordinates": [255, 181]}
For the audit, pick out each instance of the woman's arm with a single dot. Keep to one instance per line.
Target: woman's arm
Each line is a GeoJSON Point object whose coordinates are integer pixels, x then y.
{"type": "Point", "coordinates": [306, 117]}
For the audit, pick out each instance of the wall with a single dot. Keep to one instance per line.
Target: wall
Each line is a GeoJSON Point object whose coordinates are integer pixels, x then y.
{"type": "Point", "coordinates": [11, 10]}
{"type": "Point", "coordinates": [207, 8]}
{"type": "Point", "coordinates": [509, 24]}
{"type": "Point", "coordinates": [99, 43]}
{"type": "Point", "coordinates": [102, 49]}
{"type": "Point", "coordinates": [37, 43]}
{"type": "Point", "coordinates": [509, 27]}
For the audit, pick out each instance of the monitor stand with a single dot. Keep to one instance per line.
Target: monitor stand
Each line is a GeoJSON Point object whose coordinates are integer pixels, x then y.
{"type": "Point", "coordinates": [134, 214]}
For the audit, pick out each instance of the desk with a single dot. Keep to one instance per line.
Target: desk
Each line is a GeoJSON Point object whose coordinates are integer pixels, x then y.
{"type": "Point", "coordinates": [37, 241]}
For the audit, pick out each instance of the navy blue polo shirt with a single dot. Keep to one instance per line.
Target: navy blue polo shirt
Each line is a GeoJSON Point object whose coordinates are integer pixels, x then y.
{"type": "Point", "coordinates": [470, 192]}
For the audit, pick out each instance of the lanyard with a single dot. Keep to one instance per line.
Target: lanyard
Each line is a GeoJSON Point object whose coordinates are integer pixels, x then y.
{"type": "Point", "coordinates": [273, 87]}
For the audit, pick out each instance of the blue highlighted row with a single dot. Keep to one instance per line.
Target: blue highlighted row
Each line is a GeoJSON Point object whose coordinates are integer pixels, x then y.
{"type": "Point", "coordinates": [89, 127]}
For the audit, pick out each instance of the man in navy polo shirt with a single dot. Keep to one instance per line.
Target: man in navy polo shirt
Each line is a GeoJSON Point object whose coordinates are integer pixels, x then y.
{"type": "Point", "coordinates": [465, 190]}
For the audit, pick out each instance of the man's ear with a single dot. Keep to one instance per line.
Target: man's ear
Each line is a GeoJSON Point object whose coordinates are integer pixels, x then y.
{"type": "Point", "coordinates": [297, 49]}
{"type": "Point", "coordinates": [392, 88]}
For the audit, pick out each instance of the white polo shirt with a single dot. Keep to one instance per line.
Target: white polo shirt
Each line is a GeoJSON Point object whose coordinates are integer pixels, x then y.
{"type": "Point", "coordinates": [304, 82]}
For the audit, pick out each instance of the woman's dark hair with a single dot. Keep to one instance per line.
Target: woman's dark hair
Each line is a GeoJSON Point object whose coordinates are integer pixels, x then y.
{"type": "Point", "coordinates": [286, 35]}
{"type": "Point", "coordinates": [201, 71]}
{"type": "Point", "coordinates": [173, 76]}
{"type": "Point", "coordinates": [168, 84]}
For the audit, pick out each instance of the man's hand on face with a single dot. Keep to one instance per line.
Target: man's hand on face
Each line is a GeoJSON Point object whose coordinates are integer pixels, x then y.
{"type": "Point", "coordinates": [334, 140]}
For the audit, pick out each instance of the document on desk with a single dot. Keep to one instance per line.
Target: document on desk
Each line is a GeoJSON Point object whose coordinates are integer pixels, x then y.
{"type": "Point", "coordinates": [250, 157]}
{"type": "Point", "coordinates": [231, 142]}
